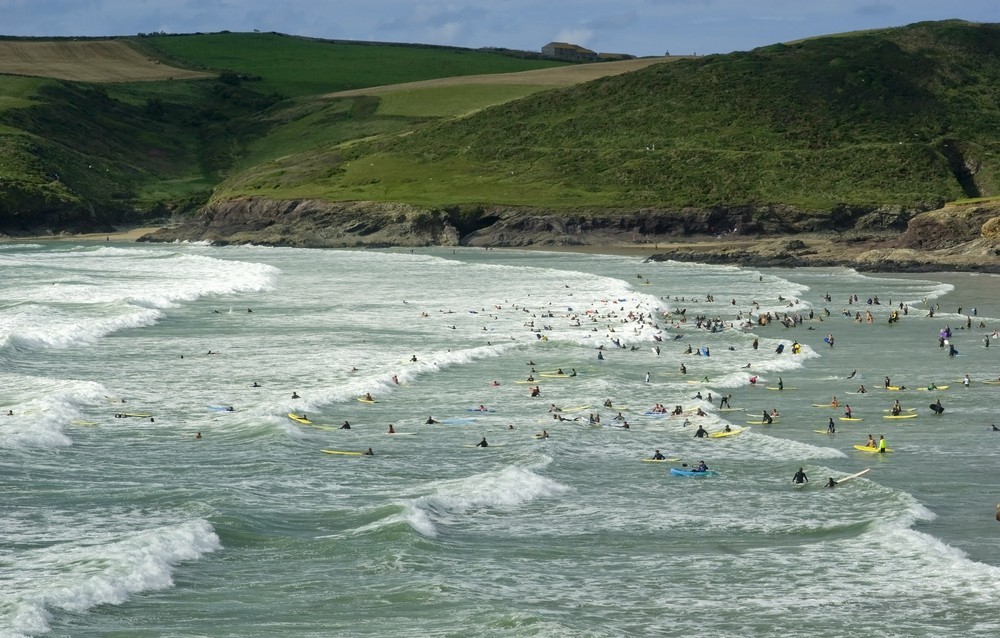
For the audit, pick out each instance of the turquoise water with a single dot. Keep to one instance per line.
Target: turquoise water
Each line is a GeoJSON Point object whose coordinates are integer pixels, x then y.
{"type": "Point", "coordinates": [133, 527]}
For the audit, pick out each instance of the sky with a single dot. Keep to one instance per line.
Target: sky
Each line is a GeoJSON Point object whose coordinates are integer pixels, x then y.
{"type": "Point", "coordinates": [638, 27]}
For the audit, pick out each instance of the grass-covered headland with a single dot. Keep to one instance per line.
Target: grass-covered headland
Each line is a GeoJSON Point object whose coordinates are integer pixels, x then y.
{"type": "Point", "coordinates": [906, 117]}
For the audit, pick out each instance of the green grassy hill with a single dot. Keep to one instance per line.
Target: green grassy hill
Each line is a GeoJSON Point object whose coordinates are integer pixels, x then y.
{"type": "Point", "coordinates": [907, 116]}
{"type": "Point", "coordinates": [293, 66]}
{"type": "Point", "coordinates": [74, 154]}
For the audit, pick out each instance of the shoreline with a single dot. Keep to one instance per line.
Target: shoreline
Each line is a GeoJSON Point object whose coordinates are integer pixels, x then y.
{"type": "Point", "coordinates": [131, 234]}
{"type": "Point", "coordinates": [812, 250]}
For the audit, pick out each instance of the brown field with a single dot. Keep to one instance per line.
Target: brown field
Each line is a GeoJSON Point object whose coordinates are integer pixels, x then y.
{"type": "Point", "coordinates": [553, 77]}
{"type": "Point", "coordinates": [86, 61]}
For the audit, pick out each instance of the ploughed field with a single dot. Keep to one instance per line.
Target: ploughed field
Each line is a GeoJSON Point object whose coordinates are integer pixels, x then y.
{"type": "Point", "coordinates": [86, 61]}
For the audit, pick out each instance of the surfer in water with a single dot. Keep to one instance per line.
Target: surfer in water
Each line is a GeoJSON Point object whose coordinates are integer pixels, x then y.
{"type": "Point", "coordinates": [830, 482]}
{"type": "Point", "coordinates": [392, 430]}
{"type": "Point", "coordinates": [430, 421]}
{"type": "Point", "coordinates": [800, 477]}
{"type": "Point", "coordinates": [881, 444]}
{"type": "Point", "coordinates": [483, 443]}
{"type": "Point", "coordinates": [295, 395]}
{"type": "Point", "coordinates": [368, 452]}
{"type": "Point", "coordinates": [346, 426]}
{"type": "Point", "coordinates": [830, 427]}
{"type": "Point", "coordinates": [701, 432]}
{"type": "Point", "coordinates": [657, 456]}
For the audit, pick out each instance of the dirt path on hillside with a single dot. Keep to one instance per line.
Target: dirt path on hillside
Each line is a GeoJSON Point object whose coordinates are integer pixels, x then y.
{"type": "Point", "coordinates": [86, 61]}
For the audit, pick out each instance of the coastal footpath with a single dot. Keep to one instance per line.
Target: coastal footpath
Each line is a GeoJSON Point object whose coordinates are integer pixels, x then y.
{"type": "Point", "coordinates": [955, 237]}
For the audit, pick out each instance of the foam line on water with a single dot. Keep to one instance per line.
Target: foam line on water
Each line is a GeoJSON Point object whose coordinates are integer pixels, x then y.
{"type": "Point", "coordinates": [80, 576]}
{"type": "Point", "coordinates": [454, 499]}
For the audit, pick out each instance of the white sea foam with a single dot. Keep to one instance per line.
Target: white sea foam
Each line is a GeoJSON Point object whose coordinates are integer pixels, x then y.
{"type": "Point", "coordinates": [451, 500]}
{"type": "Point", "coordinates": [42, 408]}
{"type": "Point", "coordinates": [105, 290]}
{"type": "Point", "coordinates": [76, 576]}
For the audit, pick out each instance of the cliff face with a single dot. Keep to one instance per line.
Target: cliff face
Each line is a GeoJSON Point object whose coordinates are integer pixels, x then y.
{"type": "Point", "coordinates": [318, 223]}
{"type": "Point", "coordinates": [950, 238]}
{"type": "Point", "coordinates": [312, 224]}
{"type": "Point", "coordinates": [961, 237]}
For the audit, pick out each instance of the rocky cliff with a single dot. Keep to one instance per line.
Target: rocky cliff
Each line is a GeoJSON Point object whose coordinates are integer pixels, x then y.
{"type": "Point", "coordinates": [313, 224]}
{"type": "Point", "coordinates": [950, 238]}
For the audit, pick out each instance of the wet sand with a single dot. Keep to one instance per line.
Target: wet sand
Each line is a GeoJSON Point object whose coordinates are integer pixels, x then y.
{"type": "Point", "coordinates": [131, 234]}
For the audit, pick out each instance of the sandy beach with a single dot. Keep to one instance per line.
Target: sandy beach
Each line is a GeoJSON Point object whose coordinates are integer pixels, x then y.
{"type": "Point", "coordinates": [131, 234]}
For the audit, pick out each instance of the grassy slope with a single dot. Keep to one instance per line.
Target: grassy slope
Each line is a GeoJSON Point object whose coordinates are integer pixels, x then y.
{"type": "Point", "coordinates": [881, 117]}
{"type": "Point", "coordinates": [868, 118]}
{"type": "Point", "coordinates": [142, 144]}
{"type": "Point", "coordinates": [294, 67]}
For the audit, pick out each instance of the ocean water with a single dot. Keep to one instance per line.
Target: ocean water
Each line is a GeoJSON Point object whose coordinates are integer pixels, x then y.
{"type": "Point", "coordinates": [132, 526]}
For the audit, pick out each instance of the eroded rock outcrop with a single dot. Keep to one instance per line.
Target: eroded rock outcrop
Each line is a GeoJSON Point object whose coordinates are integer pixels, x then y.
{"type": "Point", "coordinates": [313, 224]}
{"type": "Point", "coordinates": [951, 238]}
